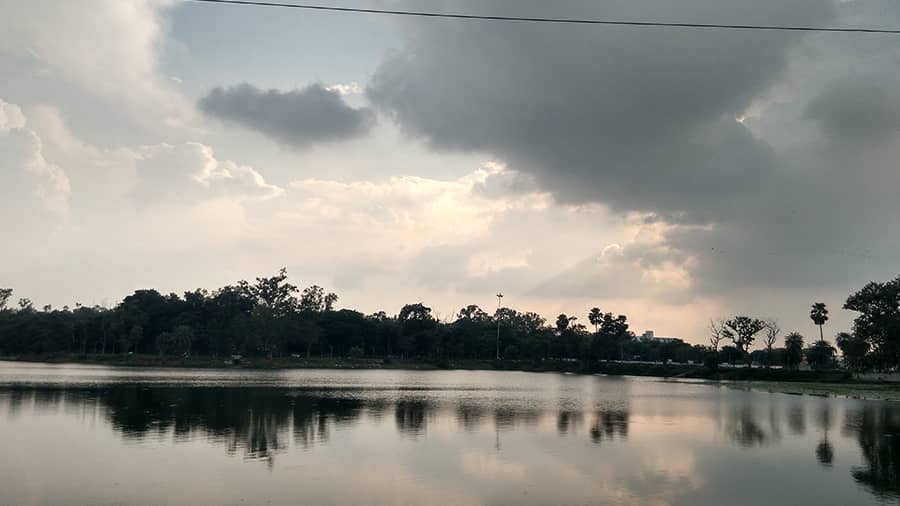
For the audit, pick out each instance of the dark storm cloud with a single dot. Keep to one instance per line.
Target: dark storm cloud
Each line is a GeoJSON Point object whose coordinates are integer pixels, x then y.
{"type": "Point", "coordinates": [637, 119]}
{"type": "Point", "coordinates": [297, 118]}
{"type": "Point", "coordinates": [859, 111]}
{"type": "Point", "coordinates": [646, 121]}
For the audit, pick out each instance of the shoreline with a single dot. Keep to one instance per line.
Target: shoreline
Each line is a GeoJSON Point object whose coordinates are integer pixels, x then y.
{"type": "Point", "coordinates": [813, 383]}
{"type": "Point", "coordinates": [671, 370]}
{"type": "Point", "coordinates": [612, 368]}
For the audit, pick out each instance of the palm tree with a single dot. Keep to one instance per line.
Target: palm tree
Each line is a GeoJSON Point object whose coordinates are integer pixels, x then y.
{"type": "Point", "coordinates": [819, 315]}
{"type": "Point", "coordinates": [596, 318]}
{"type": "Point", "coordinates": [563, 321]}
{"type": "Point", "coordinates": [793, 344]}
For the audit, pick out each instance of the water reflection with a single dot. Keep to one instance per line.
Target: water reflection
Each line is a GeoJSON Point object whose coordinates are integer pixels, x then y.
{"type": "Point", "coordinates": [796, 419]}
{"type": "Point", "coordinates": [645, 437]}
{"type": "Point", "coordinates": [609, 424]}
{"type": "Point", "coordinates": [568, 421]}
{"type": "Point", "coordinates": [411, 417]}
{"type": "Point", "coordinates": [825, 450]}
{"type": "Point", "coordinates": [470, 416]}
{"type": "Point", "coordinates": [743, 425]}
{"type": "Point", "coordinates": [877, 429]}
{"type": "Point", "coordinates": [258, 423]}
{"type": "Point", "coordinates": [506, 418]}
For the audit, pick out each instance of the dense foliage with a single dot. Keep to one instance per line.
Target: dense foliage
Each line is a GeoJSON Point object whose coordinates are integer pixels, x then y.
{"type": "Point", "coordinates": [875, 341]}
{"type": "Point", "coordinates": [271, 317]}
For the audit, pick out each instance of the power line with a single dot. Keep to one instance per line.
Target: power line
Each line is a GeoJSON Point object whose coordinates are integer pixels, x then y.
{"type": "Point", "coordinates": [571, 21]}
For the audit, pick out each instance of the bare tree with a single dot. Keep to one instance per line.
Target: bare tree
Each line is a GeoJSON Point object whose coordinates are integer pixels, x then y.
{"type": "Point", "coordinates": [718, 332]}
{"type": "Point", "coordinates": [772, 330]}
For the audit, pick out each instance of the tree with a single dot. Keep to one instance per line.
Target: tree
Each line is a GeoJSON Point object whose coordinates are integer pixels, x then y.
{"type": "Point", "coordinates": [718, 331]}
{"type": "Point", "coordinates": [134, 335]}
{"type": "Point", "coordinates": [184, 339]}
{"type": "Point", "coordinates": [274, 293]}
{"type": "Point", "coordinates": [595, 316]}
{"type": "Point", "coordinates": [330, 300]}
{"type": "Point", "coordinates": [315, 299]}
{"type": "Point", "coordinates": [563, 321]}
{"type": "Point", "coordinates": [730, 354]}
{"type": "Point", "coordinates": [819, 315]}
{"type": "Point", "coordinates": [820, 355]}
{"type": "Point", "coordinates": [473, 313]}
{"type": "Point", "coordinates": [228, 312]}
{"type": "Point", "coordinates": [793, 347]}
{"type": "Point", "coordinates": [615, 330]}
{"type": "Point", "coordinates": [854, 349]}
{"type": "Point", "coordinates": [743, 332]}
{"type": "Point", "coordinates": [417, 329]}
{"type": "Point", "coordinates": [274, 298]}
{"type": "Point", "coordinates": [417, 312]}
{"type": "Point", "coordinates": [308, 333]}
{"type": "Point", "coordinates": [878, 322]}
{"type": "Point", "coordinates": [5, 294]}
{"type": "Point", "coordinates": [164, 342]}
{"type": "Point", "coordinates": [149, 310]}
{"type": "Point", "coordinates": [771, 335]}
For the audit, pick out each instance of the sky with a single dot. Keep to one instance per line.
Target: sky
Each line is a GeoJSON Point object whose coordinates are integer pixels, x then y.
{"type": "Point", "coordinates": [671, 175]}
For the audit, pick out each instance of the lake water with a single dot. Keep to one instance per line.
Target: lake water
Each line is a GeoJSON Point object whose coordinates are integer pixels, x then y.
{"type": "Point", "coordinates": [75, 434]}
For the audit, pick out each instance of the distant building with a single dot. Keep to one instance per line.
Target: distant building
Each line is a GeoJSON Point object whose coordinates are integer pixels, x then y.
{"type": "Point", "coordinates": [650, 338]}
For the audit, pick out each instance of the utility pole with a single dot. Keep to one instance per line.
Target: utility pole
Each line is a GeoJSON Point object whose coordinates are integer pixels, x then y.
{"type": "Point", "coordinates": [499, 296]}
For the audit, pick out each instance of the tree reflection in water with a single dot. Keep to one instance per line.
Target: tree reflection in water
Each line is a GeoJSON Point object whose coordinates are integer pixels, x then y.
{"type": "Point", "coordinates": [875, 426]}
{"type": "Point", "coordinates": [796, 419]}
{"type": "Point", "coordinates": [742, 427]}
{"type": "Point", "coordinates": [877, 429]}
{"type": "Point", "coordinates": [568, 421]}
{"type": "Point", "coordinates": [257, 423]}
{"type": "Point", "coordinates": [411, 417]}
{"type": "Point", "coordinates": [609, 424]}
{"type": "Point", "coordinates": [260, 422]}
{"type": "Point", "coordinates": [470, 416]}
{"type": "Point", "coordinates": [824, 450]}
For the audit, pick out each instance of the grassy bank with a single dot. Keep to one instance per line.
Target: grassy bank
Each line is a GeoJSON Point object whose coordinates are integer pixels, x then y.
{"type": "Point", "coordinates": [611, 368]}
{"type": "Point", "coordinates": [852, 390]}
{"type": "Point", "coordinates": [776, 375]}
{"type": "Point", "coordinates": [224, 362]}
{"type": "Point", "coordinates": [819, 383]}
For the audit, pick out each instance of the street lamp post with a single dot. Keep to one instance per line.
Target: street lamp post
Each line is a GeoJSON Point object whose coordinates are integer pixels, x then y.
{"type": "Point", "coordinates": [499, 296]}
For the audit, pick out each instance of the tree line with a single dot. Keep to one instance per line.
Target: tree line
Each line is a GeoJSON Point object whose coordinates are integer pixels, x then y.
{"type": "Point", "coordinates": [272, 317]}
{"type": "Point", "coordinates": [872, 343]}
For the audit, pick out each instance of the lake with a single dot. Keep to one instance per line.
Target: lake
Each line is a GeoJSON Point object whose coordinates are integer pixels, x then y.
{"type": "Point", "coordinates": [75, 434]}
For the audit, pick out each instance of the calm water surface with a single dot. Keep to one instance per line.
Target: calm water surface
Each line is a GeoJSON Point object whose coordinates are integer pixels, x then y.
{"type": "Point", "coordinates": [96, 435]}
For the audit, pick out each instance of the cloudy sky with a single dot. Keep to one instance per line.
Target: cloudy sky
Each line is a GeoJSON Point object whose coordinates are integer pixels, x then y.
{"type": "Point", "coordinates": [672, 175]}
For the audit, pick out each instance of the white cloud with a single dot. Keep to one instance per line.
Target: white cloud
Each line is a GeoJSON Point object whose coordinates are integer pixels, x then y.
{"type": "Point", "coordinates": [410, 213]}
{"type": "Point", "coordinates": [190, 172]}
{"type": "Point", "coordinates": [11, 117]}
{"type": "Point", "coordinates": [351, 88]}
{"type": "Point", "coordinates": [52, 183]}
{"type": "Point", "coordinates": [27, 172]}
{"type": "Point", "coordinates": [94, 209]}
{"type": "Point", "coordinates": [189, 218]}
{"type": "Point", "coordinates": [487, 262]}
{"type": "Point", "coordinates": [110, 50]}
